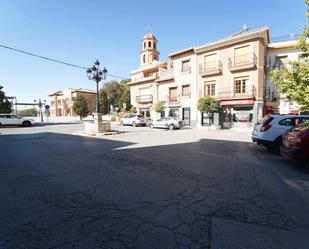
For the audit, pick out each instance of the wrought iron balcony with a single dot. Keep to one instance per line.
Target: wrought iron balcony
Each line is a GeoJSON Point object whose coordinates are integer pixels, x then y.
{"type": "Point", "coordinates": [243, 62]}
{"type": "Point", "coordinates": [229, 93]}
{"type": "Point", "coordinates": [144, 99]}
{"type": "Point", "coordinates": [186, 95]}
{"type": "Point", "coordinates": [211, 69]}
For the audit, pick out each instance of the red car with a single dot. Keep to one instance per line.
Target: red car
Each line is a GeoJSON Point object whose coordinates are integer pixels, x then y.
{"type": "Point", "coordinates": [295, 144]}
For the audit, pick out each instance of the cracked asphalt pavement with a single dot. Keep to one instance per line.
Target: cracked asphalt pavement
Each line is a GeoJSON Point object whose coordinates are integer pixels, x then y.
{"type": "Point", "coordinates": [149, 189]}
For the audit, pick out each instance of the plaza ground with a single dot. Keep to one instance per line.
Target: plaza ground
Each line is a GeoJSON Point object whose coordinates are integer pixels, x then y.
{"type": "Point", "coordinates": [147, 188]}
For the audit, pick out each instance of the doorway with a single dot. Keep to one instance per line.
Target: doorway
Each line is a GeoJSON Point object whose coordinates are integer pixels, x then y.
{"type": "Point", "coordinates": [186, 113]}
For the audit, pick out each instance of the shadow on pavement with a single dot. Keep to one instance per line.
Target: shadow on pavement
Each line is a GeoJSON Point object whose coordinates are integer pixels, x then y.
{"type": "Point", "coordinates": [65, 191]}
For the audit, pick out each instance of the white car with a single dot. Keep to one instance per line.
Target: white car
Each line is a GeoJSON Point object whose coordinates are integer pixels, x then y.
{"type": "Point", "coordinates": [270, 130]}
{"type": "Point", "coordinates": [11, 119]}
{"type": "Point", "coordinates": [167, 123]}
{"type": "Point", "coordinates": [134, 120]}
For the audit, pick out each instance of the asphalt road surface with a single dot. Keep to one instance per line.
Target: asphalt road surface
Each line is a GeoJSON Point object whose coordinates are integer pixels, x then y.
{"type": "Point", "coordinates": [148, 189]}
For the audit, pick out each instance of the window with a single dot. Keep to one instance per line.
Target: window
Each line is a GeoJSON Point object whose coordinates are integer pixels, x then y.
{"type": "Point", "coordinates": [287, 122]}
{"type": "Point", "coordinates": [155, 57]}
{"type": "Point", "coordinates": [281, 62]}
{"type": "Point", "coordinates": [154, 45]}
{"type": "Point", "coordinates": [149, 44]}
{"type": "Point", "coordinates": [144, 58]}
{"type": "Point", "coordinates": [210, 88]}
{"type": "Point", "coordinates": [186, 90]}
{"type": "Point", "coordinates": [210, 61]}
{"type": "Point", "coordinates": [241, 85]}
{"type": "Point", "coordinates": [185, 67]}
{"type": "Point", "coordinates": [241, 55]}
{"type": "Point", "coordinates": [144, 45]}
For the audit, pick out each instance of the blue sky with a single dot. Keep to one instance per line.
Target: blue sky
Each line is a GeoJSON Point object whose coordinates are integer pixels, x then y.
{"type": "Point", "coordinates": [81, 31]}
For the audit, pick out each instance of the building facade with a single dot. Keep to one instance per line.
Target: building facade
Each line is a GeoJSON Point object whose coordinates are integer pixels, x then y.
{"type": "Point", "coordinates": [232, 70]}
{"type": "Point", "coordinates": [279, 54]}
{"type": "Point", "coordinates": [61, 102]}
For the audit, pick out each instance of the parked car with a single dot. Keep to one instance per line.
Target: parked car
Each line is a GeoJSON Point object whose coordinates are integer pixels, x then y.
{"type": "Point", "coordinates": [295, 143]}
{"type": "Point", "coordinates": [11, 119]}
{"type": "Point", "coordinates": [167, 123]}
{"type": "Point", "coordinates": [270, 130]}
{"type": "Point", "coordinates": [134, 120]}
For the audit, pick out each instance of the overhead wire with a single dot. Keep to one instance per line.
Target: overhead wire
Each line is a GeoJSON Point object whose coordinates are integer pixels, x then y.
{"type": "Point", "coordinates": [54, 60]}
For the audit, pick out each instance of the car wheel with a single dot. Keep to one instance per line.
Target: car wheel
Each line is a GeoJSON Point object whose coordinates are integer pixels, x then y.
{"type": "Point", "coordinates": [150, 126]}
{"type": "Point", "coordinates": [26, 124]}
{"type": "Point", "coordinates": [134, 124]}
{"type": "Point", "coordinates": [171, 127]}
{"type": "Point", "coordinates": [121, 123]}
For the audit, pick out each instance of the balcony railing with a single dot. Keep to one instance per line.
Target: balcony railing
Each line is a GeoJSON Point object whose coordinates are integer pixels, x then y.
{"type": "Point", "coordinates": [186, 70]}
{"type": "Point", "coordinates": [186, 95]}
{"type": "Point", "coordinates": [228, 93]}
{"type": "Point", "coordinates": [243, 62]}
{"type": "Point", "coordinates": [165, 72]}
{"type": "Point", "coordinates": [211, 69]}
{"type": "Point", "coordinates": [141, 79]}
{"type": "Point", "coordinates": [144, 98]}
{"type": "Point", "coordinates": [173, 99]}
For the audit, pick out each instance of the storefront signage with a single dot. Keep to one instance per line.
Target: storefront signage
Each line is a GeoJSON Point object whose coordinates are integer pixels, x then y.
{"type": "Point", "coordinates": [237, 102]}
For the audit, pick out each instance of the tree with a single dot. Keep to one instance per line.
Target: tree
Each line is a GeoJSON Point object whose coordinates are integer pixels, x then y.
{"type": "Point", "coordinates": [293, 80]}
{"type": "Point", "coordinates": [159, 107]}
{"type": "Point", "coordinates": [80, 106]}
{"type": "Point", "coordinates": [30, 112]}
{"type": "Point", "coordinates": [208, 105]}
{"type": "Point", "coordinates": [103, 101]}
{"type": "Point", "coordinates": [5, 105]}
{"type": "Point", "coordinates": [124, 99]}
{"type": "Point", "coordinates": [133, 109]}
{"type": "Point", "coordinates": [113, 91]}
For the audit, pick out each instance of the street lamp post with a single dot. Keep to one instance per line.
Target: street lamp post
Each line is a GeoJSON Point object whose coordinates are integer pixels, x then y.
{"type": "Point", "coordinates": [40, 104]}
{"type": "Point", "coordinates": [94, 73]}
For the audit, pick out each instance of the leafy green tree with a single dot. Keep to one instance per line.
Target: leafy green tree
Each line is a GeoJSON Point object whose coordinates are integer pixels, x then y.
{"type": "Point", "coordinates": [133, 109]}
{"type": "Point", "coordinates": [30, 112]}
{"type": "Point", "coordinates": [159, 107]}
{"type": "Point", "coordinates": [5, 105]}
{"type": "Point", "coordinates": [124, 98]}
{"type": "Point", "coordinates": [293, 80]}
{"type": "Point", "coordinates": [80, 106]}
{"type": "Point", "coordinates": [103, 102]}
{"type": "Point", "coordinates": [208, 105]}
{"type": "Point", "coordinates": [113, 91]}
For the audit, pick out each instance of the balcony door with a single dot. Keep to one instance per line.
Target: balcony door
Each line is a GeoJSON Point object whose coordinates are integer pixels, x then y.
{"type": "Point", "coordinates": [173, 94]}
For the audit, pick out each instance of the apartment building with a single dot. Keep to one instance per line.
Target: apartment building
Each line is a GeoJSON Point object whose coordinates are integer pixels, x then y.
{"type": "Point", "coordinates": [61, 102]}
{"type": "Point", "coordinates": [232, 70]}
{"type": "Point", "coordinates": [279, 52]}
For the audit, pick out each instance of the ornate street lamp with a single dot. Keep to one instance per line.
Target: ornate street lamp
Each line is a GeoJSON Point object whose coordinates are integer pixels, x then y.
{"type": "Point", "coordinates": [94, 73]}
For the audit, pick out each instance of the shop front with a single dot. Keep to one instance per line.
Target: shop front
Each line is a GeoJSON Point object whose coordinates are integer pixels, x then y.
{"type": "Point", "coordinates": [237, 113]}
